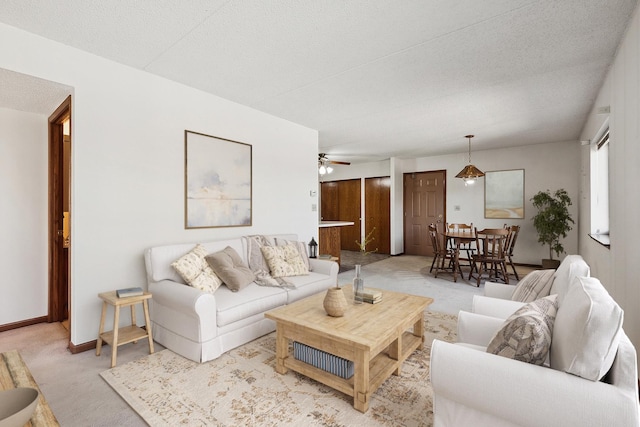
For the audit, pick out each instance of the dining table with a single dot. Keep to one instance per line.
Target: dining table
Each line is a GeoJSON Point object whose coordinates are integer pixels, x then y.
{"type": "Point", "coordinates": [459, 238]}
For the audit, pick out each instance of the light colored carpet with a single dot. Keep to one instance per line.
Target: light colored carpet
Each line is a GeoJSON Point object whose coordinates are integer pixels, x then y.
{"type": "Point", "coordinates": [242, 388]}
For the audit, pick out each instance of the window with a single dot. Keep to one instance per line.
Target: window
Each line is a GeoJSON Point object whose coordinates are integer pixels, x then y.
{"type": "Point", "coordinates": [600, 188]}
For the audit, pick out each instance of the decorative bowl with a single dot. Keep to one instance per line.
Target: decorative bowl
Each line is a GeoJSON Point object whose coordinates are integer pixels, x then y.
{"type": "Point", "coordinates": [17, 406]}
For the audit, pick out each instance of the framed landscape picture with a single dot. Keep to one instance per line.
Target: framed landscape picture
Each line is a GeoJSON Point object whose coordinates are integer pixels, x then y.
{"type": "Point", "coordinates": [217, 182]}
{"type": "Point", "coordinates": [504, 194]}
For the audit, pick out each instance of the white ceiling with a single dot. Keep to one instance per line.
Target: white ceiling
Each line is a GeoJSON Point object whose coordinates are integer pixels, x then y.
{"type": "Point", "coordinates": [378, 79]}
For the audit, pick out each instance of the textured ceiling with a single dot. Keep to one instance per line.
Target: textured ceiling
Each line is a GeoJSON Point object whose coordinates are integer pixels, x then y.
{"type": "Point", "coordinates": [376, 78]}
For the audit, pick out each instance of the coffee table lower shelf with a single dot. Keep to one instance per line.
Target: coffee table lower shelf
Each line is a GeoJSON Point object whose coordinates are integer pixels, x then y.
{"type": "Point", "coordinates": [380, 367]}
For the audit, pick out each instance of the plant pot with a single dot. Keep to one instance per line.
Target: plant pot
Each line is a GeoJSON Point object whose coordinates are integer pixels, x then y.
{"type": "Point", "coordinates": [335, 304]}
{"type": "Point", "coordinates": [548, 264]}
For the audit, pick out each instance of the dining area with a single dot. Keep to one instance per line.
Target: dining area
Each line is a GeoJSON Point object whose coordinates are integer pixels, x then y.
{"type": "Point", "coordinates": [461, 250]}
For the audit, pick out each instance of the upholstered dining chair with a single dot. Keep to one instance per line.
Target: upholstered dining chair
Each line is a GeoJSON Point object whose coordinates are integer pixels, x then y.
{"type": "Point", "coordinates": [491, 244]}
{"type": "Point", "coordinates": [443, 257]}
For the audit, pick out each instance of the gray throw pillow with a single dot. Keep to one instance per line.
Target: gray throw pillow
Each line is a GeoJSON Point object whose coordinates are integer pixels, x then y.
{"type": "Point", "coordinates": [230, 268]}
{"type": "Point", "coordinates": [533, 286]}
{"type": "Point", "coordinates": [526, 334]}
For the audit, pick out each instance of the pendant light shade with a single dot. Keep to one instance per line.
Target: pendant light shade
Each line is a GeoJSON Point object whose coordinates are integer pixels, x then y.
{"type": "Point", "coordinates": [470, 173]}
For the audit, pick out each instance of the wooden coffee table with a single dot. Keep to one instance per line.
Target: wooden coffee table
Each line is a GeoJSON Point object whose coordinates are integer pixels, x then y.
{"type": "Point", "coordinates": [376, 337]}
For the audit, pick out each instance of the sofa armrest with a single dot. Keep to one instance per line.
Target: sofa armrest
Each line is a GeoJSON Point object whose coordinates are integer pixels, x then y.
{"type": "Point", "coordinates": [494, 307]}
{"type": "Point", "coordinates": [522, 393]}
{"type": "Point", "coordinates": [186, 301]}
{"type": "Point", "coordinates": [323, 266]}
{"type": "Point", "coordinates": [498, 290]}
{"type": "Point", "coordinates": [476, 328]}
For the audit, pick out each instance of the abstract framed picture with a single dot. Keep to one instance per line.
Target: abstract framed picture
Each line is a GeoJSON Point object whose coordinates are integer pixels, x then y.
{"type": "Point", "coordinates": [217, 182]}
{"type": "Point", "coordinates": [504, 194]}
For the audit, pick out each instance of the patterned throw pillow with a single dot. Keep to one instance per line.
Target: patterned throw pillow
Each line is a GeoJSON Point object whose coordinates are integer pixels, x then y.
{"type": "Point", "coordinates": [526, 334]}
{"type": "Point", "coordinates": [533, 286]}
{"type": "Point", "coordinates": [228, 265]}
{"type": "Point", "coordinates": [284, 261]}
{"type": "Point", "coordinates": [302, 249]}
{"type": "Point", "coordinates": [196, 272]}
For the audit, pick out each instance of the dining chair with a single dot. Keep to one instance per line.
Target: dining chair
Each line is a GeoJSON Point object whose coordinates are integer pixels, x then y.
{"type": "Point", "coordinates": [443, 257]}
{"type": "Point", "coordinates": [491, 244]}
{"type": "Point", "coordinates": [511, 244]}
{"type": "Point", "coordinates": [467, 247]}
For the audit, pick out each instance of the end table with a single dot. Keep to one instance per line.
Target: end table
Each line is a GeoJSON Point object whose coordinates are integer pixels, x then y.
{"type": "Point", "coordinates": [119, 336]}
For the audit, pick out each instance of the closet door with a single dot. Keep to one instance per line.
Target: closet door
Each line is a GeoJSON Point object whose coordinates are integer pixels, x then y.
{"type": "Point", "coordinates": [377, 208]}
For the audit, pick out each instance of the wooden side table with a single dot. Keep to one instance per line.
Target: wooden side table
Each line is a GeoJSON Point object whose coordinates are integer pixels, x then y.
{"type": "Point", "coordinates": [119, 336]}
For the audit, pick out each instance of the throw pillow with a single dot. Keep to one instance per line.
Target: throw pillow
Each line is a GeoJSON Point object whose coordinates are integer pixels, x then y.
{"type": "Point", "coordinates": [587, 330]}
{"type": "Point", "coordinates": [195, 271]}
{"type": "Point", "coordinates": [533, 286]}
{"type": "Point", "coordinates": [228, 265]}
{"type": "Point", "coordinates": [302, 249]}
{"type": "Point", "coordinates": [284, 261]}
{"type": "Point", "coordinates": [526, 334]}
{"type": "Point", "coordinates": [571, 266]}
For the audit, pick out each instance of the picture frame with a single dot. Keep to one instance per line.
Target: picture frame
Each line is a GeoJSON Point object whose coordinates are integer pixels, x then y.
{"type": "Point", "coordinates": [504, 194]}
{"type": "Point", "coordinates": [218, 182]}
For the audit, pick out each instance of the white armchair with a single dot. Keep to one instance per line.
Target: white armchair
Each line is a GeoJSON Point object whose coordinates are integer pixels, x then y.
{"type": "Point", "coordinates": [497, 302]}
{"type": "Point", "coordinates": [474, 388]}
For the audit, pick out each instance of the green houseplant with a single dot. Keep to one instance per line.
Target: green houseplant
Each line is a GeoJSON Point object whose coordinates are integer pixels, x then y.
{"type": "Point", "coordinates": [552, 222]}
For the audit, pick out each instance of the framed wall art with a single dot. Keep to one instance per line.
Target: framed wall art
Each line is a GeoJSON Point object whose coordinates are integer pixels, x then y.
{"type": "Point", "coordinates": [504, 194]}
{"type": "Point", "coordinates": [217, 182]}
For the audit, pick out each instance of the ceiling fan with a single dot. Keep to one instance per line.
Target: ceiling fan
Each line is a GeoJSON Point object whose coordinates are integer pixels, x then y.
{"type": "Point", "coordinates": [324, 164]}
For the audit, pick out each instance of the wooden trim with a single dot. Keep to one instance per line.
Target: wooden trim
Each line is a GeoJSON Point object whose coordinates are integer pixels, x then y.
{"type": "Point", "coordinates": [23, 323]}
{"type": "Point", "coordinates": [75, 349]}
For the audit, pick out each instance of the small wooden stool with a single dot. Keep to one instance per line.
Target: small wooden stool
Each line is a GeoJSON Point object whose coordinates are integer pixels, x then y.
{"type": "Point", "coordinates": [120, 336]}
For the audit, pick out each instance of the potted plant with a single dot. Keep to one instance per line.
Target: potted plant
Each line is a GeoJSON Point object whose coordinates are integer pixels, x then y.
{"type": "Point", "coordinates": [552, 222]}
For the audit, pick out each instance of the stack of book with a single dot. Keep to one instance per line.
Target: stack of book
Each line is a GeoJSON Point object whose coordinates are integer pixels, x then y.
{"type": "Point", "coordinates": [371, 296]}
{"type": "Point", "coordinates": [129, 292]}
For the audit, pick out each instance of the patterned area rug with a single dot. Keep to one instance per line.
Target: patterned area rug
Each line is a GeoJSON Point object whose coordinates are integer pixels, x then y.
{"type": "Point", "coordinates": [242, 388]}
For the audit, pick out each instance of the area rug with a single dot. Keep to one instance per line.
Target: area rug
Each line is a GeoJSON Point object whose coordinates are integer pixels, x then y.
{"type": "Point", "coordinates": [241, 387]}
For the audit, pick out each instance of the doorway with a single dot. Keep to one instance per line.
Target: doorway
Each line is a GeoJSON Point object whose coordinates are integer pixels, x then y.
{"type": "Point", "coordinates": [424, 204]}
{"type": "Point", "coordinates": [59, 213]}
{"type": "Point", "coordinates": [377, 213]}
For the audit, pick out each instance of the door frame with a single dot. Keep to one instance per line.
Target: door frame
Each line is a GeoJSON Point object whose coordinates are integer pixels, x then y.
{"type": "Point", "coordinates": [57, 275]}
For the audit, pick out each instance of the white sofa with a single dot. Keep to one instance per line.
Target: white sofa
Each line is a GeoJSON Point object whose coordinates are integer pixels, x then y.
{"type": "Point", "coordinates": [201, 326]}
{"type": "Point", "coordinates": [473, 387]}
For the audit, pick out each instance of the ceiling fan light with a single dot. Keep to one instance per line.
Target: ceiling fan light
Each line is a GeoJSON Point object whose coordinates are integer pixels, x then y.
{"type": "Point", "coordinates": [329, 169]}
{"type": "Point", "coordinates": [322, 170]}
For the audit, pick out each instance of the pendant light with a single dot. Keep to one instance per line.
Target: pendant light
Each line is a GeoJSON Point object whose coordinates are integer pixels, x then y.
{"type": "Point", "coordinates": [470, 173]}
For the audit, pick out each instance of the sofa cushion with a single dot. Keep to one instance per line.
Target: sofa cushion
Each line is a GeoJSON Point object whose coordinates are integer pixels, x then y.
{"type": "Point", "coordinates": [195, 271]}
{"type": "Point", "coordinates": [526, 334]}
{"type": "Point", "coordinates": [571, 266]}
{"type": "Point", "coordinates": [587, 330]}
{"type": "Point", "coordinates": [284, 261]}
{"type": "Point", "coordinates": [228, 265]}
{"type": "Point", "coordinates": [236, 306]}
{"type": "Point", "coordinates": [300, 246]}
{"type": "Point", "coordinates": [533, 286]}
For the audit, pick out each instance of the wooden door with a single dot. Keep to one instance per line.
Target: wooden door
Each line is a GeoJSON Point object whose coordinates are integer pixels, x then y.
{"type": "Point", "coordinates": [424, 203]}
{"type": "Point", "coordinates": [59, 279]}
{"type": "Point", "coordinates": [377, 208]}
{"type": "Point", "coordinates": [329, 201]}
{"type": "Point", "coordinates": [349, 206]}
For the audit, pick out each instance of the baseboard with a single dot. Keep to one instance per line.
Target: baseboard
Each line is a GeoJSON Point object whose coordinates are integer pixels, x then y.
{"type": "Point", "coordinates": [23, 323]}
{"type": "Point", "coordinates": [75, 349]}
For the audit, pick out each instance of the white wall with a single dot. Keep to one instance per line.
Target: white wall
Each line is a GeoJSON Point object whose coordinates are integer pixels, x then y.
{"type": "Point", "coordinates": [128, 166]}
{"type": "Point", "coordinates": [617, 267]}
{"type": "Point", "coordinates": [23, 185]}
{"type": "Point", "coordinates": [547, 166]}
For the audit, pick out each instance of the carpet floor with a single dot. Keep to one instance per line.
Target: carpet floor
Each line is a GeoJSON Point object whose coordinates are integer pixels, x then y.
{"type": "Point", "coordinates": [242, 388]}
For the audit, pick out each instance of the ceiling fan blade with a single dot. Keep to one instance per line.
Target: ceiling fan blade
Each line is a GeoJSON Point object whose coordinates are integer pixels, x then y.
{"type": "Point", "coordinates": [335, 162]}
